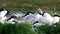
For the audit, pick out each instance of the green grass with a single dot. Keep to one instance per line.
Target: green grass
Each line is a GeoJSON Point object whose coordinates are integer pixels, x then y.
{"type": "Point", "coordinates": [16, 29]}
{"type": "Point", "coordinates": [24, 28]}
{"type": "Point", "coordinates": [49, 29]}
{"type": "Point", "coordinates": [28, 5]}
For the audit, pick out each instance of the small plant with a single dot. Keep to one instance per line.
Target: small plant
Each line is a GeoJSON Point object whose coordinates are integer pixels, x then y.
{"type": "Point", "coordinates": [24, 28]}
{"type": "Point", "coordinates": [52, 29]}
{"type": "Point", "coordinates": [18, 28]}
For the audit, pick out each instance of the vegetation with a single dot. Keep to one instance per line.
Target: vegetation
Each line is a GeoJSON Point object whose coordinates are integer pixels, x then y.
{"type": "Point", "coordinates": [25, 6]}
{"type": "Point", "coordinates": [29, 5]}
{"type": "Point", "coordinates": [24, 28]}
{"type": "Point", "coordinates": [16, 29]}
{"type": "Point", "coordinates": [53, 29]}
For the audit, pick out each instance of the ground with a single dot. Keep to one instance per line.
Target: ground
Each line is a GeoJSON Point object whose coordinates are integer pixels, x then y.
{"type": "Point", "coordinates": [28, 5]}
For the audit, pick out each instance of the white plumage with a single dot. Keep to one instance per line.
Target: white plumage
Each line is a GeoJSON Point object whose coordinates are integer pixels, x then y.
{"type": "Point", "coordinates": [29, 18]}
{"type": "Point", "coordinates": [38, 17]}
{"type": "Point", "coordinates": [48, 17]}
{"type": "Point", "coordinates": [11, 21]}
{"type": "Point", "coordinates": [55, 19]}
{"type": "Point", "coordinates": [3, 13]}
{"type": "Point", "coordinates": [3, 18]}
{"type": "Point", "coordinates": [38, 24]}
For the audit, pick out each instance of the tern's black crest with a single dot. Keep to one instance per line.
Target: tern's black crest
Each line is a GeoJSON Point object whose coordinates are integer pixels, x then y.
{"type": "Point", "coordinates": [40, 13]}
{"type": "Point", "coordinates": [57, 15]}
{"type": "Point", "coordinates": [35, 22]}
{"type": "Point", "coordinates": [43, 13]}
{"type": "Point", "coordinates": [15, 21]}
{"type": "Point", "coordinates": [1, 10]}
{"type": "Point", "coordinates": [12, 17]}
{"type": "Point", "coordinates": [27, 14]}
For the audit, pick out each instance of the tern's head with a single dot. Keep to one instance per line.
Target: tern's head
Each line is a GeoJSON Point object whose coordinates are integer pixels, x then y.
{"type": "Point", "coordinates": [30, 12]}
{"type": "Point", "coordinates": [1, 10]}
{"type": "Point", "coordinates": [43, 13]}
{"type": "Point", "coordinates": [57, 15]}
{"type": "Point", "coordinates": [35, 22]}
{"type": "Point", "coordinates": [11, 17]}
{"type": "Point", "coordinates": [27, 14]}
